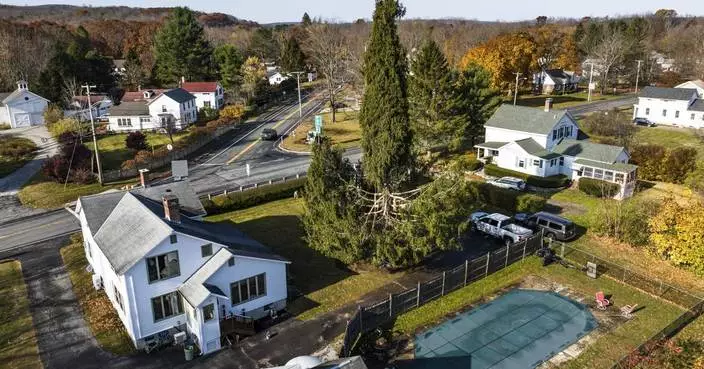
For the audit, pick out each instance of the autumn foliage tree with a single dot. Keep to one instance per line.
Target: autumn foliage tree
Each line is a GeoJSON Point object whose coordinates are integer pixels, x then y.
{"type": "Point", "coordinates": [503, 56]}
{"type": "Point", "coordinates": [677, 234]}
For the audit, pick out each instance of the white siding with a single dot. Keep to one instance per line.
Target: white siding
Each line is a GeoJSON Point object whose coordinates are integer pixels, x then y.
{"type": "Point", "coordinates": [216, 98]}
{"type": "Point", "coordinates": [4, 118]}
{"type": "Point", "coordinates": [183, 113]}
{"type": "Point", "coordinates": [493, 134]}
{"type": "Point", "coordinates": [564, 123]}
{"type": "Point", "coordinates": [511, 155]}
{"type": "Point", "coordinates": [652, 109]}
{"type": "Point", "coordinates": [136, 121]}
{"type": "Point", "coordinates": [26, 110]}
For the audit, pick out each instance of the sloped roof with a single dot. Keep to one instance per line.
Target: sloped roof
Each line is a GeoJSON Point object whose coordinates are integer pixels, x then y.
{"type": "Point", "coordinates": [139, 95]}
{"type": "Point", "coordinates": [187, 198]}
{"type": "Point", "coordinates": [557, 74]}
{"type": "Point", "coordinates": [200, 86]}
{"type": "Point", "coordinates": [697, 105]}
{"type": "Point", "coordinates": [667, 93]}
{"type": "Point", "coordinates": [98, 207]}
{"type": "Point", "coordinates": [618, 167]}
{"type": "Point", "coordinates": [178, 94]}
{"type": "Point", "coordinates": [194, 289]}
{"type": "Point", "coordinates": [697, 82]}
{"type": "Point", "coordinates": [4, 95]}
{"type": "Point", "coordinates": [525, 119]}
{"type": "Point", "coordinates": [533, 148]}
{"type": "Point", "coordinates": [491, 145]}
{"type": "Point", "coordinates": [12, 95]}
{"type": "Point", "coordinates": [588, 150]}
{"type": "Point", "coordinates": [128, 108]}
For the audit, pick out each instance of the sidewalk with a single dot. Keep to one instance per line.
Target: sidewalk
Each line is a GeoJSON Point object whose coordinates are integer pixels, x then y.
{"type": "Point", "coordinates": [48, 147]}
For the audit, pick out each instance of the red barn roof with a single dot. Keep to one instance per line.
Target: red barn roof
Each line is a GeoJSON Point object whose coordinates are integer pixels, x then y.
{"type": "Point", "coordinates": [200, 86]}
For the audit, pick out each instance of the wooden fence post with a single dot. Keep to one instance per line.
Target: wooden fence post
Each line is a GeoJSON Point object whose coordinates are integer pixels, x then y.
{"type": "Point", "coordinates": [442, 291]}
{"type": "Point", "coordinates": [562, 250]}
{"type": "Point", "coordinates": [225, 193]}
{"type": "Point", "coordinates": [506, 261]}
{"type": "Point", "coordinates": [256, 185]}
{"type": "Point", "coordinates": [210, 196]}
{"type": "Point", "coordinates": [418, 295]}
{"type": "Point", "coordinates": [486, 271]}
{"type": "Point", "coordinates": [270, 181]}
{"type": "Point", "coordinates": [298, 176]}
{"type": "Point", "coordinates": [391, 307]}
{"type": "Point", "coordinates": [241, 188]}
{"type": "Point", "coordinates": [466, 270]}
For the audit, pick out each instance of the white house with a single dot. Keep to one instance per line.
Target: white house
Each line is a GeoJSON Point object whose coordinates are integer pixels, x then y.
{"type": "Point", "coordinates": [275, 77]}
{"type": "Point", "coordinates": [167, 272]}
{"type": "Point", "coordinates": [22, 108]}
{"type": "Point", "coordinates": [78, 108]}
{"type": "Point", "coordinates": [208, 94]}
{"type": "Point", "coordinates": [664, 63]}
{"type": "Point", "coordinates": [545, 143]}
{"type": "Point", "coordinates": [176, 108]}
{"type": "Point", "coordinates": [679, 107]}
{"type": "Point", "coordinates": [555, 80]}
{"type": "Point", "coordinates": [696, 84]}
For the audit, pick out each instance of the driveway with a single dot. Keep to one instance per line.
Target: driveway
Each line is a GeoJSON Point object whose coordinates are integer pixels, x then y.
{"type": "Point", "coordinates": [12, 183]}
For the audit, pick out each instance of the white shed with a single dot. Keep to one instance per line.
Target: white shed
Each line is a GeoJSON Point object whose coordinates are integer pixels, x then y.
{"type": "Point", "coordinates": [22, 108]}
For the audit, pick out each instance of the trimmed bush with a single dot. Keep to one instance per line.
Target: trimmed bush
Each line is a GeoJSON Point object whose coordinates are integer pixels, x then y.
{"type": "Point", "coordinates": [678, 164]}
{"type": "Point", "coordinates": [508, 200]}
{"type": "Point", "coordinates": [240, 200]}
{"type": "Point", "coordinates": [598, 188]}
{"type": "Point", "coordinates": [649, 159]}
{"type": "Point", "coordinates": [555, 181]}
{"type": "Point", "coordinates": [136, 141]}
{"type": "Point", "coordinates": [529, 203]}
{"type": "Point", "coordinates": [466, 163]}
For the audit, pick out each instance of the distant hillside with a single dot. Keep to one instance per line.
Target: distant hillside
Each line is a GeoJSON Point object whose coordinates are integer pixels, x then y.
{"type": "Point", "coordinates": [75, 15]}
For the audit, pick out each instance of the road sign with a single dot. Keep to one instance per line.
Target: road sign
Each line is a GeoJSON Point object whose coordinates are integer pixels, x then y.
{"type": "Point", "coordinates": [318, 125]}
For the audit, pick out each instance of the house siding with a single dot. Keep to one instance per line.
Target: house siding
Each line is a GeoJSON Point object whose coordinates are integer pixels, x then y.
{"type": "Point", "coordinates": [25, 108]}
{"type": "Point", "coordinates": [137, 124]}
{"type": "Point", "coordinates": [184, 113]}
{"type": "Point", "coordinates": [494, 134]}
{"type": "Point", "coordinates": [656, 107]}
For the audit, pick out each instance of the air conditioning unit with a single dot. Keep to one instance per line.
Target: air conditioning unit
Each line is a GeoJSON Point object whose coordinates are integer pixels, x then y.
{"type": "Point", "coordinates": [179, 338]}
{"type": "Point", "coordinates": [97, 282]}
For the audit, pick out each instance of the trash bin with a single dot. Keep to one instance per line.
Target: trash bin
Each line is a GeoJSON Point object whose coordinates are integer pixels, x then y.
{"type": "Point", "coordinates": [188, 352]}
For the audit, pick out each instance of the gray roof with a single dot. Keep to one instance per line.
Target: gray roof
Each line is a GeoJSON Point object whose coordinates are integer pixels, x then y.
{"type": "Point", "coordinates": [525, 119]}
{"type": "Point", "coordinates": [617, 167]}
{"type": "Point", "coordinates": [179, 95]}
{"type": "Point", "coordinates": [3, 96]}
{"type": "Point", "coordinates": [588, 150]}
{"type": "Point", "coordinates": [129, 108]}
{"type": "Point", "coordinates": [668, 93]}
{"type": "Point", "coordinates": [493, 145]}
{"type": "Point", "coordinates": [194, 289]}
{"type": "Point", "coordinates": [698, 105]}
{"type": "Point", "coordinates": [187, 198]}
{"type": "Point", "coordinates": [98, 207]}
{"type": "Point", "coordinates": [533, 148]}
{"type": "Point", "coordinates": [558, 74]}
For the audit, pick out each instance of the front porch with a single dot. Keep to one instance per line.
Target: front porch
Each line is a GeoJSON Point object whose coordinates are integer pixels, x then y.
{"type": "Point", "coordinates": [622, 174]}
{"type": "Point", "coordinates": [487, 150]}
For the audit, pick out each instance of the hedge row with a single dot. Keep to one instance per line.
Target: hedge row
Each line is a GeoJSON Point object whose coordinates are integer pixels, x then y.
{"type": "Point", "coordinates": [556, 181]}
{"type": "Point", "coordinates": [509, 200]}
{"type": "Point", "coordinates": [244, 199]}
{"type": "Point", "coordinates": [598, 188]}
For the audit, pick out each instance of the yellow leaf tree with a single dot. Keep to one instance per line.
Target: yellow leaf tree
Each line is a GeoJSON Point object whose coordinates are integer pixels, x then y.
{"type": "Point", "coordinates": [678, 234]}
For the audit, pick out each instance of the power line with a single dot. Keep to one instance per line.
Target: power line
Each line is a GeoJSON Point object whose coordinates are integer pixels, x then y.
{"type": "Point", "coordinates": [92, 125]}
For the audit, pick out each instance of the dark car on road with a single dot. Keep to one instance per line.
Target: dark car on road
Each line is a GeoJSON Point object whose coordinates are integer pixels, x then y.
{"type": "Point", "coordinates": [553, 226]}
{"type": "Point", "coordinates": [643, 122]}
{"type": "Point", "coordinates": [269, 134]}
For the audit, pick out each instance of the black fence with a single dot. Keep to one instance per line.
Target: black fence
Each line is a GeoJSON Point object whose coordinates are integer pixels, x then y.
{"type": "Point", "coordinates": [368, 318]}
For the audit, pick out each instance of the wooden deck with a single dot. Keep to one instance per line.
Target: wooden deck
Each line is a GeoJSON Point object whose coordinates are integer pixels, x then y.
{"type": "Point", "coordinates": [236, 324]}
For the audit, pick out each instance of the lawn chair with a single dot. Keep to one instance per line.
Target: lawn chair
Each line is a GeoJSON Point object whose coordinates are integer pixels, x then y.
{"type": "Point", "coordinates": [627, 311]}
{"type": "Point", "coordinates": [601, 302]}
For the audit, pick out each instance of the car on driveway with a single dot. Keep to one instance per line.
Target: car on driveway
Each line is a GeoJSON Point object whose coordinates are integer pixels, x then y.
{"type": "Point", "coordinates": [499, 226]}
{"type": "Point", "coordinates": [269, 134]}
{"type": "Point", "coordinates": [553, 226]}
{"type": "Point", "coordinates": [643, 122]}
{"type": "Point", "coordinates": [511, 183]}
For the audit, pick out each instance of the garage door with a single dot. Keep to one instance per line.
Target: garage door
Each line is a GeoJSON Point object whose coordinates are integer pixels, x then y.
{"type": "Point", "coordinates": [37, 119]}
{"type": "Point", "coordinates": [22, 120]}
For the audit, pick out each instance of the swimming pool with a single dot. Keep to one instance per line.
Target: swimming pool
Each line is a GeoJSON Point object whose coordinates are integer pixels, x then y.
{"type": "Point", "coordinates": [519, 329]}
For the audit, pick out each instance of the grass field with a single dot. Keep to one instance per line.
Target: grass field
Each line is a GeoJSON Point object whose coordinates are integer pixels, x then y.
{"type": "Point", "coordinates": [44, 193]}
{"type": "Point", "coordinates": [24, 148]}
{"type": "Point", "coordinates": [562, 101]}
{"type": "Point", "coordinates": [608, 348]}
{"type": "Point", "coordinates": [113, 151]}
{"type": "Point", "coordinates": [97, 309]}
{"type": "Point", "coordinates": [19, 342]}
{"type": "Point", "coordinates": [670, 137]}
{"type": "Point", "coordinates": [325, 283]}
{"type": "Point", "coordinates": [345, 132]}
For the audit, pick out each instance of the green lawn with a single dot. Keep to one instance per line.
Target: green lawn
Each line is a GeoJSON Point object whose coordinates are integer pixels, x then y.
{"type": "Point", "coordinates": [15, 152]}
{"type": "Point", "coordinates": [44, 193]}
{"type": "Point", "coordinates": [670, 137]}
{"type": "Point", "coordinates": [19, 342]}
{"type": "Point", "coordinates": [325, 283]}
{"type": "Point", "coordinates": [608, 348]}
{"type": "Point", "coordinates": [113, 151]}
{"type": "Point", "coordinates": [346, 132]}
{"type": "Point", "coordinates": [562, 101]}
{"type": "Point", "coordinates": [97, 308]}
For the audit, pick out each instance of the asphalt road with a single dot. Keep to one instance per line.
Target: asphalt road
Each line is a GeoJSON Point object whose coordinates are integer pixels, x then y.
{"type": "Point", "coordinates": [601, 106]}
{"type": "Point", "coordinates": [33, 229]}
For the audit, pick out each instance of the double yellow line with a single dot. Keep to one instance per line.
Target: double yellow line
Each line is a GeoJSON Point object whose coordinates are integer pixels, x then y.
{"type": "Point", "coordinates": [282, 121]}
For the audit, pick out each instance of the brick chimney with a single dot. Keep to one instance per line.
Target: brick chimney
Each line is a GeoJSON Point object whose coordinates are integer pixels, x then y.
{"type": "Point", "coordinates": [548, 104]}
{"type": "Point", "coordinates": [144, 177]}
{"type": "Point", "coordinates": [171, 208]}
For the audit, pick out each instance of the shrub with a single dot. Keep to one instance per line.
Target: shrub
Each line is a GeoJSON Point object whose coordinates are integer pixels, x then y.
{"type": "Point", "coordinates": [5, 126]}
{"type": "Point", "coordinates": [16, 147]}
{"type": "Point", "coordinates": [82, 176]}
{"type": "Point", "coordinates": [649, 159]}
{"type": "Point", "coordinates": [136, 141]}
{"type": "Point", "coordinates": [466, 163]}
{"type": "Point", "coordinates": [252, 197]}
{"type": "Point", "coordinates": [614, 124]}
{"type": "Point", "coordinates": [529, 203]}
{"type": "Point", "coordinates": [53, 114]}
{"type": "Point", "coordinates": [206, 114]}
{"type": "Point", "coordinates": [598, 188]}
{"type": "Point", "coordinates": [555, 181]}
{"type": "Point", "coordinates": [627, 220]}
{"type": "Point", "coordinates": [678, 164]}
{"type": "Point", "coordinates": [695, 179]}
{"type": "Point", "coordinates": [64, 125]}
{"type": "Point", "coordinates": [233, 112]}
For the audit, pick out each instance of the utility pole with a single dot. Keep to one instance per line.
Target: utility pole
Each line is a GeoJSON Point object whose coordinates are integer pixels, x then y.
{"type": "Point", "coordinates": [589, 88]}
{"type": "Point", "coordinates": [637, 74]}
{"type": "Point", "coordinates": [300, 106]}
{"type": "Point", "coordinates": [95, 141]}
{"type": "Point", "coordinates": [515, 94]}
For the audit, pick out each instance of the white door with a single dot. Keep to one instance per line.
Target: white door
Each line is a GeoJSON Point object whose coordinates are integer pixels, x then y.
{"type": "Point", "coordinates": [22, 120]}
{"type": "Point", "coordinates": [37, 119]}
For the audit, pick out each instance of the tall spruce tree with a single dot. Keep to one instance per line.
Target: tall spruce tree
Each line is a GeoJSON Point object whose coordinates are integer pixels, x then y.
{"type": "Point", "coordinates": [306, 20]}
{"type": "Point", "coordinates": [476, 102]}
{"type": "Point", "coordinates": [292, 57]}
{"type": "Point", "coordinates": [134, 74]}
{"type": "Point", "coordinates": [431, 98]}
{"type": "Point", "coordinates": [228, 61]}
{"type": "Point", "coordinates": [181, 48]}
{"type": "Point", "coordinates": [386, 133]}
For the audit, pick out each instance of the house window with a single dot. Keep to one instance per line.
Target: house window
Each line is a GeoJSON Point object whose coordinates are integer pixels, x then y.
{"type": "Point", "coordinates": [647, 111]}
{"type": "Point", "coordinates": [677, 113]}
{"type": "Point", "coordinates": [208, 312]}
{"type": "Point", "coordinates": [598, 173]}
{"type": "Point", "coordinates": [692, 116]}
{"type": "Point", "coordinates": [231, 261]}
{"type": "Point", "coordinates": [619, 177]}
{"type": "Point", "coordinates": [587, 172]}
{"type": "Point", "coordinates": [537, 163]}
{"type": "Point", "coordinates": [561, 132]}
{"type": "Point", "coordinates": [562, 161]}
{"type": "Point", "coordinates": [521, 163]}
{"type": "Point", "coordinates": [163, 108]}
{"type": "Point", "coordinates": [609, 176]}
{"type": "Point", "coordinates": [248, 289]}
{"type": "Point", "coordinates": [664, 112]}
{"type": "Point", "coordinates": [206, 250]}
{"type": "Point", "coordinates": [554, 134]}
{"type": "Point", "coordinates": [166, 306]}
{"type": "Point", "coordinates": [118, 297]}
{"type": "Point", "coordinates": [206, 104]}
{"type": "Point", "coordinates": [553, 162]}
{"type": "Point", "coordinates": [173, 238]}
{"type": "Point", "coordinates": [144, 120]}
{"type": "Point", "coordinates": [163, 266]}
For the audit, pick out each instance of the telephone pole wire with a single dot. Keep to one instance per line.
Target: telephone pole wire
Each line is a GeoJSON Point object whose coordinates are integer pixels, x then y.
{"type": "Point", "coordinates": [92, 125]}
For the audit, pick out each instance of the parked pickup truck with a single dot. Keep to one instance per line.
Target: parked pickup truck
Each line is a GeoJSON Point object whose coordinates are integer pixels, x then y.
{"type": "Point", "coordinates": [499, 226]}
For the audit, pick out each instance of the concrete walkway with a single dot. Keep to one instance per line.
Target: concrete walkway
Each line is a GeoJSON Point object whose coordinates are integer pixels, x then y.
{"type": "Point", "coordinates": [48, 147]}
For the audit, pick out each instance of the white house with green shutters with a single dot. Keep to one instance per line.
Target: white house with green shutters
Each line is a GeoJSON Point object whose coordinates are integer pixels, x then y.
{"type": "Point", "coordinates": [544, 142]}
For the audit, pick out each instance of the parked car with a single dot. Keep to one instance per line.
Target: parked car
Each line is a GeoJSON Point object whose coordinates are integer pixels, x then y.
{"type": "Point", "coordinates": [643, 122]}
{"type": "Point", "coordinates": [499, 226]}
{"type": "Point", "coordinates": [269, 134]}
{"type": "Point", "coordinates": [511, 183]}
{"type": "Point", "coordinates": [553, 226]}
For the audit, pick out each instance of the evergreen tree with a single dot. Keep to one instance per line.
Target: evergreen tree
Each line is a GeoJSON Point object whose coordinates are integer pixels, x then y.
{"type": "Point", "coordinates": [330, 217]}
{"type": "Point", "coordinates": [306, 20]}
{"type": "Point", "coordinates": [228, 61]}
{"type": "Point", "coordinates": [477, 101]}
{"type": "Point", "coordinates": [181, 48]}
{"type": "Point", "coordinates": [430, 97]}
{"type": "Point", "coordinates": [134, 75]}
{"type": "Point", "coordinates": [262, 45]}
{"type": "Point", "coordinates": [386, 132]}
{"type": "Point", "coordinates": [50, 84]}
{"type": "Point", "coordinates": [292, 57]}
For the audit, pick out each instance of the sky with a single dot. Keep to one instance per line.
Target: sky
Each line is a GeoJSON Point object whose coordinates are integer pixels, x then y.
{"type": "Point", "coordinates": [271, 11]}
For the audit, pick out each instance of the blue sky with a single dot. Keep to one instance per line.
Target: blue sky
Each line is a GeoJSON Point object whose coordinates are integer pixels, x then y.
{"type": "Point", "coordinates": [267, 11]}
